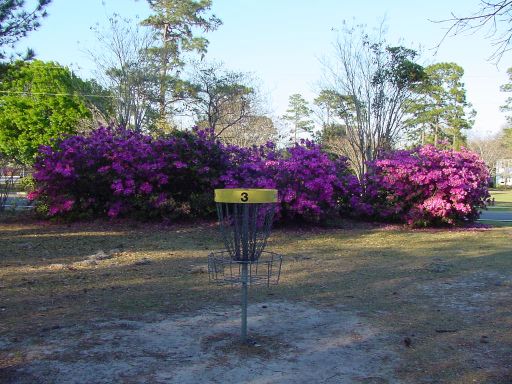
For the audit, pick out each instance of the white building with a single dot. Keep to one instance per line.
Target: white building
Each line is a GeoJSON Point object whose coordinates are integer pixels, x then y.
{"type": "Point", "coordinates": [504, 173]}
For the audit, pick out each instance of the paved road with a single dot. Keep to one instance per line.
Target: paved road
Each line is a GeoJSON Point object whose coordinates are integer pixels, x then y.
{"type": "Point", "coordinates": [19, 203]}
{"type": "Point", "coordinates": [496, 215]}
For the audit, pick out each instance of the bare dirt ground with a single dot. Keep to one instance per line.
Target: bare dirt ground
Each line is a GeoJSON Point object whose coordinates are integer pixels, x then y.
{"type": "Point", "coordinates": [290, 343]}
{"type": "Point", "coordinates": [127, 303]}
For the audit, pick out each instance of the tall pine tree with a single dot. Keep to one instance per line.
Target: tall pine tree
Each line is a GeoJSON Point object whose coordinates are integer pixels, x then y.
{"type": "Point", "coordinates": [441, 111]}
{"type": "Point", "coordinates": [16, 21]}
{"type": "Point", "coordinates": [176, 24]}
{"type": "Point", "coordinates": [298, 114]}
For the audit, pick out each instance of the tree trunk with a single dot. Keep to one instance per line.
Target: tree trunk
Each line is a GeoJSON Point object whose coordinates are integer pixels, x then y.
{"type": "Point", "coordinates": [436, 134]}
{"type": "Point", "coordinates": [163, 76]}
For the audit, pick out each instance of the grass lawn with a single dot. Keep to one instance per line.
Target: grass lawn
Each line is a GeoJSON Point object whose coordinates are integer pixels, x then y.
{"type": "Point", "coordinates": [502, 198]}
{"type": "Point", "coordinates": [499, 214]}
{"type": "Point", "coordinates": [441, 299]}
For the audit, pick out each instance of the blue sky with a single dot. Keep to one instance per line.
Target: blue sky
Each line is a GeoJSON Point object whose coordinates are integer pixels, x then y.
{"type": "Point", "coordinates": [282, 42]}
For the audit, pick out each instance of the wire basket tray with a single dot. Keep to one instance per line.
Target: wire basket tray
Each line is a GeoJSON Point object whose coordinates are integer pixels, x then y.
{"type": "Point", "coordinates": [245, 228]}
{"type": "Point", "coordinates": [222, 269]}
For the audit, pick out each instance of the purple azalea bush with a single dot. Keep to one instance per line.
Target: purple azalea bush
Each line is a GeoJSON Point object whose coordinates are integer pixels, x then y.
{"type": "Point", "coordinates": [426, 186]}
{"type": "Point", "coordinates": [115, 172]}
{"type": "Point", "coordinates": [118, 172]}
{"type": "Point", "coordinates": [310, 185]}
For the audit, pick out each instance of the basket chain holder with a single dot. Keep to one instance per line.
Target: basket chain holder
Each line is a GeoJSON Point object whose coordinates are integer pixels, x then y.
{"type": "Point", "coordinates": [245, 220]}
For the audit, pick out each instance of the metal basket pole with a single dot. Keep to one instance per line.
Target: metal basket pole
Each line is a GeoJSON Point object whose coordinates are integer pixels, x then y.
{"type": "Point", "coordinates": [243, 330]}
{"type": "Point", "coordinates": [245, 219]}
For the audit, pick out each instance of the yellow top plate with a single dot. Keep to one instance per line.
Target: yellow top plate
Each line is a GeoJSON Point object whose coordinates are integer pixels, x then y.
{"type": "Point", "coordinates": [246, 196]}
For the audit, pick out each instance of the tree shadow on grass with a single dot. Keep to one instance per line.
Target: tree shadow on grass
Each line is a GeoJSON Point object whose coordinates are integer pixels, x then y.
{"type": "Point", "coordinates": [57, 243]}
{"type": "Point", "coordinates": [443, 318]}
{"type": "Point", "coordinates": [401, 299]}
{"type": "Point", "coordinates": [442, 292]}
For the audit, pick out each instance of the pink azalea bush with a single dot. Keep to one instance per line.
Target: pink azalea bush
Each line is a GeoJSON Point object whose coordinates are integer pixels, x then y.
{"type": "Point", "coordinates": [426, 186]}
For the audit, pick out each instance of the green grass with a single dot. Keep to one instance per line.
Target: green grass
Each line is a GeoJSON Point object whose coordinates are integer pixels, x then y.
{"type": "Point", "coordinates": [502, 203]}
{"type": "Point", "coordinates": [503, 199]}
{"type": "Point", "coordinates": [403, 282]}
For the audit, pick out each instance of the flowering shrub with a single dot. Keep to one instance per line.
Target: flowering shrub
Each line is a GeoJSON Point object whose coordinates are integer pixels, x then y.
{"type": "Point", "coordinates": [310, 184]}
{"type": "Point", "coordinates": [116, 172]}
{"type": "Point", "coordinates": [195, 164]}
{"type": "Point", "coordinates": [252, 167]}
{"type": "Point", "coordinates": [113, 172]}
{"type": "Point", "coordinates": [119, 172]}
{"type": "Point", "coordinates": [426, 186]}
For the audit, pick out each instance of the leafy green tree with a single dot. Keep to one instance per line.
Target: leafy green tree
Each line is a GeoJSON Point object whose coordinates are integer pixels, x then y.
{"type": "Point", "coordinates": [16, 22]}
{"type": "Point", "coordinates": [506, 138]}
{"type": "Point", "coordinates": [175, 23]}
{"type": "Point", "coordinates": [39, 102]}
{"type": "Point", "coordinates": [329, 103]}
{"type": "Point", "coordinates": [298, 114]}
{"type": "Point", "coordinates": [333, 133]}
{"type": "Point", "coordinates": [507, 107]}
{"type": "Point", "coordinates": [441, 112]}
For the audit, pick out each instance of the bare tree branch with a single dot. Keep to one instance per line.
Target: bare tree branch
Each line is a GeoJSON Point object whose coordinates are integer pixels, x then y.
{"type": "Point", "coordinates": [496, 16]}
{"type": "Point", "coordinates": [373, 82]}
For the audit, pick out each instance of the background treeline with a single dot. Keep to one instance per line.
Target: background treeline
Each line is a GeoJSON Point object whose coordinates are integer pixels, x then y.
{"type": "Point", "coordinates": [154, 79]}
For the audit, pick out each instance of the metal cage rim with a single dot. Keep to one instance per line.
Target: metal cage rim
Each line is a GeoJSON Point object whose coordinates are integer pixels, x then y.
{"type": "Point", "coordinates": [245, 195]}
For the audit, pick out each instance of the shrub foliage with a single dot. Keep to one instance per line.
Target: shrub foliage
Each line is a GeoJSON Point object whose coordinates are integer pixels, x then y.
{"type": "Point", "coordinates": [115, 172]}
{"type": "Point", "coordinates": [426, 186]}
{"type": "Point", "coordinates": [310, 185]}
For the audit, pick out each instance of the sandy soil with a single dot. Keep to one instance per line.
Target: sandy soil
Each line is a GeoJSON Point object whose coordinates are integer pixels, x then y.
{"type": "Point", "coordinates": [290, 343]}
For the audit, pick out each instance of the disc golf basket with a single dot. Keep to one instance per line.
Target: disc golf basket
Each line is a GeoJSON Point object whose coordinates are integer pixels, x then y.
{"type": "Point", "coordinates": [245, 219]}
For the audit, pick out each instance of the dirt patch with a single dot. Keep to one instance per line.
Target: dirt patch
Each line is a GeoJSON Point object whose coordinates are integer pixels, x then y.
{"type": "Point", "coordinates": [290, 343]}
{"type": "Point", "coordinates": [464, 337]}
{"type": "Point", "coordinates": [478, 292]}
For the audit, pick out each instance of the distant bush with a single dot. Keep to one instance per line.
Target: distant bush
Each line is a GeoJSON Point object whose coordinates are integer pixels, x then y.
{"type": "Point", "coordinates": [27, 184]}
{"type": "Point", "coordinates": [426, 186]}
